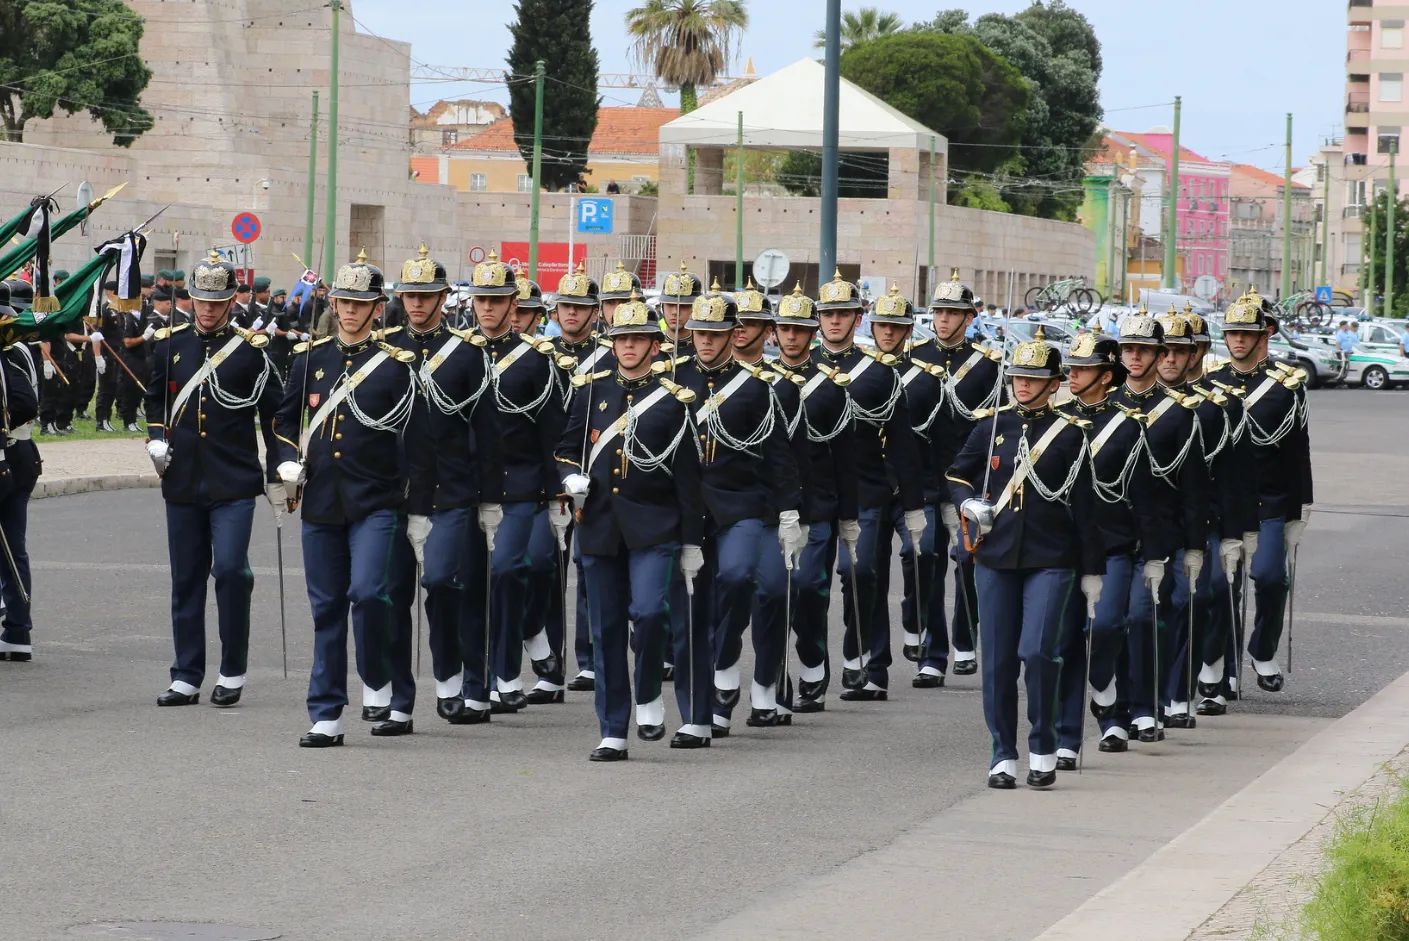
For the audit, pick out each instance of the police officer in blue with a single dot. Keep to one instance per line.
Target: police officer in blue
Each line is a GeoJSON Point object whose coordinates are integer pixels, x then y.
{"type": "Point", "coordinates": [525, 391]}
{"type": "Point", "coordinates": [340, 430]}
{"type": "Point", "coordinates": [1029, 514]}
{"type": "Point", "coordinates": [19, 471]}
{"type": "Point", "coordinates": [631, 465]}
{"type": "Point", "coordinates": [749, 478]}
{"type": "Point", "coordinates": [211, 386]}
{"type": "Point", "coordinates": [888, 472]}
{"type": "Point", "coordinates": [452, 510]}
{"type": "Point", "coordinates": [970, 386]}
{"type": "Point", "coordinates": [1274, 399]}
{"type": "Point", "coordinates": [824, 421]}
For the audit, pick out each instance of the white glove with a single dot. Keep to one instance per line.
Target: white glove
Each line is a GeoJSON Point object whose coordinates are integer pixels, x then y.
{"type": "Point", "coordinates": [305, 337]}
{"type": "Point", "coordinates": [418, 528]}
{"type": "Point", "coordinates": [949, 515]}
{"type": "Point", "coordinates": [100, 364]}
{"type": "Point", "coordinates": [291, 473]}
{"type": "Point", "coordinates": [1154, 575]}
{"type": "Point", "coordinates": [576, 486]}
{"type": "Point", "coordinates": [1293, 531]}
{"type": "Point", "coordinates": [278, 499]}
{"type": "Point", "coordinates": [1306, 513]}
{"type": "Point", "coordinates": [148, 333]}
{"type": "Point", "coordinates": [691, 561]}
{"type": "Point", "coordinates": [915, 523]}
{"type": "Point", "coordinates": [258, 323]}
{"type": "Point", "coordinates": [1091, 588]}
{"type": "Point", "coordinates": [559, 517]}
{"type": "Point", "coordinates": [48, 370]}
{"type": "Point", "coordinates": [1193, 564]}
{"type": "Point", "coordinates": [490, 516]}
{"type": "Point", "coordinates": [1231, 552]}
{"type": "Point", "coordinates": [850, 532]}
{"type": "Point", "coordinates": [790, 537]}
{"type": "Point", "coordinates": [160, 453]}
{"type": "Point", "coordinates": [95, 337]}
{"type": "Point", "coordinates": [1249, 547]}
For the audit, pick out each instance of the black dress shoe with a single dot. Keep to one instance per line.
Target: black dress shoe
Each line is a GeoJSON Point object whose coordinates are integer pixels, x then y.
{"type": "Point", "coordinates": [809, 690]}
{"type": "Point", "coordinates": [225, 696]}
{"type": "Point", "coordinates": [911, 652]}
{"type": "Point", "coordinates": [582, 684]}
{"type": "Point", "coordinates": [805, 705]}
{"type": "Point", "coordinates": [785, 718]}
{"type": "Point", "coordinates": [927, 681]}
{"type": "Point", "coordinates": [762, 718]}
{"type": "Point", "coordinates": [1113, 743]}
{"type": "Point", "coordinates": [1181, 720]}
{"type": "Point", "coordinates": [376, 713]}
{"type": "Point", "coordinates": [16, 656]}
{"type": "Point", "coordinates": [686, 740]}
{"type": "Point", "coordinates": [1066, 764]}
{"type": "Point", "coordinates": [1041, 778]}
{"type": "Point", "coordinates": [1229, 693]}
{"type": "Point", "coordinates": [172, 698]}
{"type": "Point", "coordinates": [650, 733]}
{"type": "Point", "coordinates": [726, 699]}
{"type": "Point", "coordinates": [469, 716]}
{"type": "Point", "coordinates": [965, 667]}
{"type": "Point", "coordinates": [604, 753]}
{"type": "Point", "coordinates": [1099, 712]}
{"type": "Point", "coordinates": [863, 695]}
{"type": "Point", "coordinates": [543, 697]}
{"type": "Point", "coordinates": [1209, 690]}
{"type": "Point", "coordinates": [1132, 730]}
{"type": "Point", "coordinates": [1148, 736]}
{"type": "Point", "coordinates": [853, 679]}
{"type": "Point", "coordinates": [319, 740]}
{"type": "Point", "coordinates": [1273, 683]}
{"type": "Point", "coordinates": [667, 673]}
{"type": "Point", "coordinates": [719, 731]}
{"type": "Point", "coordinates": [447, 707]}
{"type": "Point", "coordinates": [1002, 781]}
{"type": "Point", "coordinates": [546, 667]}
{"type": "Point", "coordinates": [394, 727]}
{"type": "Point", "coordinates": [1211, 707]}
{"type": "Point", "coordinates": [512, 701]}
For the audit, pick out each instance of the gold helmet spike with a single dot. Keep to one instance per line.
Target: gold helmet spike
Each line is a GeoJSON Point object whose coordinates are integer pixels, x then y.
{"type": "Point", "coordinates": [955, 275]}
{"type": "Point", "coordinates": [1188, 308]}
{"type": "Point", "coordinates": [580, 269]}
{"type": "Point", "coordinates": [493, 256]}
{"type": "Point", "coordinates": [619, 265]}
{"type": "Point", "coordinates": [714, 287]}
{"type": "Point", "coordinates": [425, 252]}
{"type": "Point", "coordinates": [213, 257]}
{"type": "Point", "coordinates": [749, 286]}
{"type": "Point", "coordinates": [836, 276]}
{"type": "Point", "coordinates": [1040, 334]}
{"type": "Point", "coordinates": [894, 288]}
{"type": "Point", "coordinates": [682, 267]}
{"type": "Point", "coordinates": [797, 289]}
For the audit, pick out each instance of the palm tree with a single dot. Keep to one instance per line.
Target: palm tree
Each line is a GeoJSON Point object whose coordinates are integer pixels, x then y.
{"type": "Point", "coordinates": [687, 43]}
{"type": "Point", "coordinates": [863, 26]}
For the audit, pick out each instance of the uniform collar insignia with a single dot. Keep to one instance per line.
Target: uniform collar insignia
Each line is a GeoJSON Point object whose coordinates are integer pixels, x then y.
{"type": "Point", "coordinates": [356, 347]}
{"type": "Point", "coordinates": [714, 370]}
{"type": "Point", "coordinates": [578, 346]}
{"type": "Point", "coordinates": [636, 383]}
{"type": "Point", "coordinates": [1039, 412]}
{"type": "Point", "coordinates": [433, 331]}
{"type": "Point", "coordinates": [837, 355]}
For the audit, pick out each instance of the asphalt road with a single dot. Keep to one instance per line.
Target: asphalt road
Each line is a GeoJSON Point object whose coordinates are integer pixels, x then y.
{"type": "Point", "coordinates": [115, 811]}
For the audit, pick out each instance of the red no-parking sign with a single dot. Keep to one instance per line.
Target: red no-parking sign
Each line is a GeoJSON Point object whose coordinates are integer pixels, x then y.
{"type": "Point", "coordinates": [245, 228]}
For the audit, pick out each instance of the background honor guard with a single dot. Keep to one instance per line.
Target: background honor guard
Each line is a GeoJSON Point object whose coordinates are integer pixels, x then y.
{"type": "Point", "coordinates": [970, 385]}
{"type": "Point", "coordinates": [19, 407]}
{"type": "Point", "coordinates": [618, 287]}
{"type": "Point", "coordinates": [339, 428]}
{"type": "Point", "coordinates": [888, 470]}
{"type": "Point", "coordinates": [211, 386]}
{"type": "Point", "coordinates": [831, 492]}
{"type": "Point", "coordinates": [457, 478]}
{"type": "Point", "coordinates": [1274, 398]}
{"type": "Point", "coordinates": [677, 298]}
{"type": "Point", "coordinates": [1023, 483]}
{"type": "Point", "coordinates": [631, 465]}
{"type": "Point", "coordinates": [56, 390]}
{"type": "Point", "coordinates": [749, 482]}
{"type": "Point", "coordinates": [531, 418]}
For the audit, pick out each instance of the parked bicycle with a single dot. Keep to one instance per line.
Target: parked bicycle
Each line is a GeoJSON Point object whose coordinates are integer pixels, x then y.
{"type": "Point", "coordinates": [1070, 295]}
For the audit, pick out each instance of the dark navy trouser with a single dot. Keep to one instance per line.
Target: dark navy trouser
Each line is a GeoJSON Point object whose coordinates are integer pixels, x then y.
{"type": "Point", "coordinates": [873, 632]}
{"type": "Point", "coordinates": [205, 539]}
{"type": "Point", "coordinates": [14, 519]}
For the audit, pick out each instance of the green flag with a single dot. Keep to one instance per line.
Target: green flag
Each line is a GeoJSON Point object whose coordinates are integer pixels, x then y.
{"type": "Point", "coordinates": [15, 258]}
{"type": "Point", "coordinates": [75, 297]}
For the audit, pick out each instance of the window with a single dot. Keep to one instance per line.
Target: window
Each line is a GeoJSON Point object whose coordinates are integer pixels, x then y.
{"type": "Point", "coordinates": [449, 138]}
{"type": "Point", "coordinates": [1391, 86]}
{"type": "Point", "coordinates": [1392, 34]}
{"type": "Point", "coordinates": [1389, 139]}
{"type": "Point", "coordinates": [525, 183]}
{"type": "Point", "coordinates": [478, 183]}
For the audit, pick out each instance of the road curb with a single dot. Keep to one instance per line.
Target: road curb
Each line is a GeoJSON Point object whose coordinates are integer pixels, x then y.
{"type": "Point", "coordinates": [63, 486]}
{"type": "Point", "coordinates": [1202, 869]}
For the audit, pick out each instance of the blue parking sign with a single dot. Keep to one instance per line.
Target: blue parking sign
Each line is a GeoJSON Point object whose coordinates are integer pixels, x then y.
{"type": "Point", "coordinates": [1323, 294]}
{"type": "Point", "coordinates": [594, 216]}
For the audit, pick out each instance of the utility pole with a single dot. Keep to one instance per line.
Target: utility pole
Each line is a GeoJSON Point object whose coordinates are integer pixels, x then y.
{"type": "Point", "coordinates": [1125, 247]}
{"type": "Point", "coordinates": [1367, 255]}
{"type": "Point", "coordinates": [1287, 218]}
{"type": "Point", "coordinates": [1171, 250]}
{"type": "Point", "coordinates": [1325, 218]}
{"type": "Point", "coordinates": [330, 225]}
{"type": "Point", "coordinates": [831, 98]}
{"type": "Point", "coordinates": [1110, 230]}
{"type": "Point", "coordinates": [312, 185]}
{"type": "Point", "coordinates": [1393, 195]}
{"type": "Point", "coordinates": [538, 74]}
{"type": "Point", "coordinates": [739, 210]}
{"type": "Point", "coordinates": [929, 271]}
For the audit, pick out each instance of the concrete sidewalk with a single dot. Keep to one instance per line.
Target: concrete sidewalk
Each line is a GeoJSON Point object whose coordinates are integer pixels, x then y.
{"type": "Point", "coordinates": [86, 466]}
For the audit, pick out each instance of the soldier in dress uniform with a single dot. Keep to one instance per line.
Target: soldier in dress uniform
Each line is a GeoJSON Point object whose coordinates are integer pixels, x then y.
{"type": "Point", "coordinates": [1274, 400]}
{"type": "Point", "coordinates": [630, 462]}
{"type": "Point", "coordinates": [1030, 508]}
{"type": "Point", "coordinates": [340, 427]}
{"type": "Point", "coordinates": [888, 472]}
{"type": "Point", "coordinates": [677, 298]}
{"type": "Point", "coordinates": [210, 387]}
{"type": "Point", "coordinates": [824, 421]}
{"type": "Point", "coordinates": [453, 509]}
{"type": "Point", "coordinates": [19, 407]}
{"type": "Point", "coordinates": [617, 288]}
{"type": "Point", "coordinates": [749, 480]}
{"type": "Point", "coordinates": [971, 384]}
{"type": "Point", "coordinates": [531, 418]}
{"type": "Point", "coordinates": [246, 312]}
{"type": "Point", "coordinates": [136, 335]}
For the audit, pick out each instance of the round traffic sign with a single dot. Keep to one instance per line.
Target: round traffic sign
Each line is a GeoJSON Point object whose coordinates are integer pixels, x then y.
{"type": "Point", "coordinates": [245, 228]}
{"type": "Point", "coordinates": [1206, 287]}
{"type": "Point", "coordinates": [476, 255]}
{"type": "Point", "coordinates": [770, 268]}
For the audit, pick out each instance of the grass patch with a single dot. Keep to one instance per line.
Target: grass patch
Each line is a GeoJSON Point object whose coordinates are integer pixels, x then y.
{"type": "Point", "coordinates": [1364, 893]}
{"type": "Point", "coordinates": [88, 431]}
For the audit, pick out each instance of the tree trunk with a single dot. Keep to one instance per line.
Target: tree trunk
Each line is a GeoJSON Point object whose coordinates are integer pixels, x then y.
{"type": "Point", "coordinates": [14, 124]}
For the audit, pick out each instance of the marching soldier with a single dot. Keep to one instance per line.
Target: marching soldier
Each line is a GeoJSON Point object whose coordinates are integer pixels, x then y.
{"type": "Point", "coordinates": [211, 386]}
{"type": "Point", "coordinates": [617, 288]}
{"type": "Point", "coordinates": [340, 430]}
{"type": "Point", "coordinates": [971, 385]}
{"type": "Point", "coordinates": [888, 472]}
{"type": "Point", "coordinates": [452, 508]}
{"type": "Point", "coordinates": [749, 483]}
{"type": "Point", "coordinates": [631, 464]}
{"type": "Point", "coordinates": [677, 298]}
{"type": "Point", "coordinates": [19, 470]}
{"type": "Point", "coordinates": [824, 421]}
{"type": "Point", "coordinates": [1029, 515]}
{"type": "Point", "coordinates": [1274, 401]}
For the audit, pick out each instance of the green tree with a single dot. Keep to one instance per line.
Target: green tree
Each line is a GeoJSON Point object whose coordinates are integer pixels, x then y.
{"type": "Point", "coordinates": [862, 26]}
{"type": "Point", "coordinates": [864, 176]}
{"type": "Point", "coordinates": [556, 32]}
{"type": "Point", "coordinates": [686, 43]}
{"type": "Point", "coordinates": [1378, 218]}
{"type": "Point", "coordinates": [77, 55]}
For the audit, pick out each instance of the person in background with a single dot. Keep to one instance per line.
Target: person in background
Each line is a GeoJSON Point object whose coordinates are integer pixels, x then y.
{"type": "Point", "coordinates": [1346, 338]}
{"type": "Point", "coordinates": [612, 188]}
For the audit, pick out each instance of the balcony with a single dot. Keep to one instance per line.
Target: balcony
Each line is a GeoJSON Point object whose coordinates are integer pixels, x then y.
{"type": "Point", "coordinates": [1352, 212]}
{"type": "Point", "coordinates": [1357, 55]}
{"type": "Point", "coordinates": [1352, 267]}
{"type": "Point", "coordinates": [1361, 3]}
{"type": "Point", "coordinates": [1357, 103]}
{"type": "Point", "coordinates": [1357, 160]}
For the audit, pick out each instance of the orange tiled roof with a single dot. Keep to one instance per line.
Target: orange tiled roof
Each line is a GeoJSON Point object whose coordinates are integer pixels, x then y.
{"type": "Point", "coordinates": [429, 168]}
{"type": "Point", "coordinates": [619, 131]}
{"type": "Point", "coordinates": [1121, 141]}
{"type": "Point", "coordinates": [1262, 176]}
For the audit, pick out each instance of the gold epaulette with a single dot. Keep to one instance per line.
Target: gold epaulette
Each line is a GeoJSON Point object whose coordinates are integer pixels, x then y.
{"type": "Point", "coordinates": [255, 339]}
{"type": "Point", "coordinates": [565, 361]}
{"type": "Point", "coordinates": [885, 359]}
{"type": "Point", "coordinates": [472, 337]}
{"type": "Point", "coordinates": [919, 343]}
{"type": "Point", "coordinates": [1289, 376]}
{"type": "Point", "coordinates": [1213, 395]}
{"type": "Point", "coordinates": [683, 395]}
{"type": "Point", "coordinates": [604, 341]}
{"type": "Point", "coordinates": [1133, 414]}
{"type": "Point", "coordinates": [387, 331]}
{"type": "Point", "coordinates": [839, 376]}
{"type": "Point", "coordinates": [786, 373]}
{"type": "Point", "coordinates": [934, 369]}
{"type": "Point", "coordinates": [1188, 401]}
{"type": "Point", "coordinates": [541, 344]}
{"type": "Point", "coordinates": [667, 347]}
{"type": "Point", "coordinates": [758, 372]}
{"type": "Point", "coordinates": [303, 347]}
{"type": "Point", "coordinates": [397, 353]}
{"type": "Point", "coordinates": [579, 381]}
{"type": "Point", "coordinates": [665, 365]}
{"type": "Point", "coordinates": [1081, 423]}
{"type": "Point", "coordinates": [165, 332]}
{"type": "Point", "coordinates": [990, 352]}
{"type": "Point", "coordinates": [1231, 390]}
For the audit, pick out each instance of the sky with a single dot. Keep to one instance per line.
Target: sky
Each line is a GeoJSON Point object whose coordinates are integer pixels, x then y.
{"type": "Point", "coordinates": [1239, 65]}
